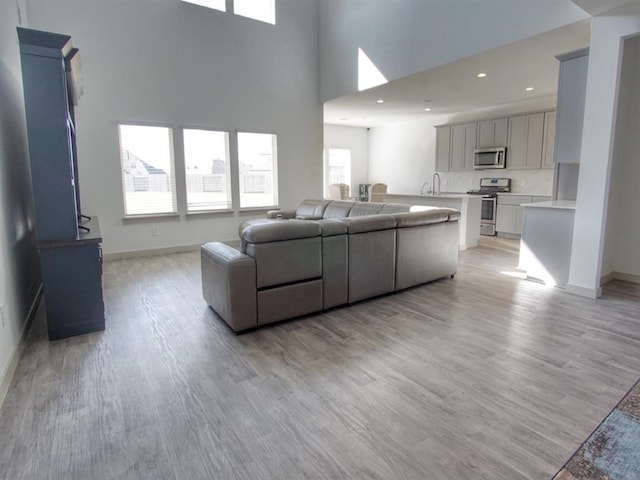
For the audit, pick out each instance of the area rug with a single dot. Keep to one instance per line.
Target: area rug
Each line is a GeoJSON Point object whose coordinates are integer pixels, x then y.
{"type": "Point", "coordinates": [612, 452]}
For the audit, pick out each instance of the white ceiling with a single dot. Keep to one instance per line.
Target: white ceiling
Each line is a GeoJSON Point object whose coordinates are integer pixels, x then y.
{"type": "Point", "coordinates": [455, 87]}
{"type": "Point", "coordinates": [597, 7]}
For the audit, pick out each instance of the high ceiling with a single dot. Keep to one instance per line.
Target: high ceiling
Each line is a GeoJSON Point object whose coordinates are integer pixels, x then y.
{"type": "Point", "coordinates": [455, 87]}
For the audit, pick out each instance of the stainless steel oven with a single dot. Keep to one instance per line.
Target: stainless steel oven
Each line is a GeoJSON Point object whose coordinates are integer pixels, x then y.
{"type": "Point", "coordinates": [489, 188]}
{"type": "Point", "coordinates": [488, 215]}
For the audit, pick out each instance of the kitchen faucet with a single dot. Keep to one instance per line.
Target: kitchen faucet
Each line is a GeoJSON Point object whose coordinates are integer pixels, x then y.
{"type": "Point", "coordinates": [436, 191]}
{"type": "Point", "coordinates": [425, 184]}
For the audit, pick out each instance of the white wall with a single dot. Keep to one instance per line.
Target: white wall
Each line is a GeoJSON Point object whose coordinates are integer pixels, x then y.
{"type": "Point", "coordinates": [355, 139]}
{"type": "Point", "coordinates": [622, 254]}
{"type": "Point", "coordinates": [402, 154]}
{"type": "Point", "coordinates": [402, 38]}
{"type": "Point", "coordinates": [19, 263]}
{"type": "Point", "coordinates": [169, 62]}
{"type": "Point", "coordinates": [595, 180]}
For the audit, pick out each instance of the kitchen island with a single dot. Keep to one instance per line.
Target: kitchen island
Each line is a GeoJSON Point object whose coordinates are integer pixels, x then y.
{"type": "Point", "coordinates": [547, 236]}
{"type": "Point", "coordinates": [468, 205]}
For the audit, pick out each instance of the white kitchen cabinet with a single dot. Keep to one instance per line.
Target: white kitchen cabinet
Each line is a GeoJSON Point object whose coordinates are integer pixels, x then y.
{"type": "Point", "coordinates": [509, 213]}
{"type": "Point", "coordinates": [549, 139]}
{"type": "Point", "coordinates": [463, 144]}
{"type": "Point", "coordinates": [509, 219]}
{"type": "Point", "coordinates": [443, 148]}
{"type": "Point", "coordinates": [492, 133]}
{"type": "Point", "coordinates": [524, 149]}
{"type": "Point", "coordinates": [572, 87]}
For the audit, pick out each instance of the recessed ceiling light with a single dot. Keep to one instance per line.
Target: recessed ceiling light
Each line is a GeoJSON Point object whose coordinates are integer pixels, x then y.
{"type": "Point", "coordinates": [482, 75]}
{"type": "Point", "coordinates": [529, 89]}
{"type": "Point", "coordinates": [427, 109]}
{"type": "Point", "coordinates": [380, 100]}
{"type": "Point", "coordinates": [343, 119]}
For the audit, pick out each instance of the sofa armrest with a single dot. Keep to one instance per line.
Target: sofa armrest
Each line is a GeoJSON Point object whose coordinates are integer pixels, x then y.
{"type": "Point", "coordinates": [229, 285]}
{"type": "Point", "coordinates": [285, 214]}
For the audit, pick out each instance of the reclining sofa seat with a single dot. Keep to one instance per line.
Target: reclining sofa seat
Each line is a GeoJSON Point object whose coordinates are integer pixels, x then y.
{"type": "Point", "coordinates": [354, 251]}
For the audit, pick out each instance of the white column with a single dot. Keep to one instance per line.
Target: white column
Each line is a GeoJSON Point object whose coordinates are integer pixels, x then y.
{"type": "Point", "coordinates": [605, 56]}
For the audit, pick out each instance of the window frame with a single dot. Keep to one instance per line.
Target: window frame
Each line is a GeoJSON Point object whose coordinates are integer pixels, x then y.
{"type": "Point", "coordinates": [325, 169]}
{"type": "Point", "coordinates": [276, 183]}
{"type": "Point", "coordinates": [229, 170]}
{"type": "Point", "coordinates": [172, 154]}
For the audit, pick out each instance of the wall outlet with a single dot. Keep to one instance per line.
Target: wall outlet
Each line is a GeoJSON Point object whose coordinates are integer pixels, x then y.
{"type": "Point", "coordinates": [154, 231]}
{"type": "Point", "coordinates": [522, 182]}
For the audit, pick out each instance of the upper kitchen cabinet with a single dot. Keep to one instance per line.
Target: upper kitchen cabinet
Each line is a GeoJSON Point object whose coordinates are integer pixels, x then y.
{"type": "Point", "coordinates": [443, 148]}
{"type": "Point", "coordinates": [572, 86]}
{"type": "Point", "coordinates": [548, 141]}
{"type": "Point", "coordinates": [463, 144]}
{"type": "Point", "coordinates": [524, 148]}
{"type": "Point", "coordinates": [493, 133]}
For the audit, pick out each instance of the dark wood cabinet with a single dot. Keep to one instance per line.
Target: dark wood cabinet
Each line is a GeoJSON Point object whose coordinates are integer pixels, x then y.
{"type": "Point", "coordinates": [69, 243]}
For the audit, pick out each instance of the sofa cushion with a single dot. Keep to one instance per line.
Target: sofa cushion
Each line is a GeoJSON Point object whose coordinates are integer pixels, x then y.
{"type": "Point", "coordinates": [338, 209]}
{"type": "Point", "coordinates": [286, 261]}
{"type": "Point", "coordinates": [362, 209]}
{"type": "Point", "coordinates": [278, 230]}
{"type": "Point", "coordinates": [427, 217]}
{"type": "Point", "coordinates": [332, 226]}
{"type": "Point", "coordinates": [369, 223]}
{"type": "Point", "coordinates": [395, 208]}
{"type": "Point", "coordinates": [311, 209]}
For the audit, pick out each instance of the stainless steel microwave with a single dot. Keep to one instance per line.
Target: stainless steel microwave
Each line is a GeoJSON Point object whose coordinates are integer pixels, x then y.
{"type": "Point", "coordinates": [494, 157]}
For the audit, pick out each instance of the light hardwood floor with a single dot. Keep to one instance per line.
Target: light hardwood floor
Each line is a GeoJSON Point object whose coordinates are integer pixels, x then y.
{"type": "Point", "coordinates": [484, 376]}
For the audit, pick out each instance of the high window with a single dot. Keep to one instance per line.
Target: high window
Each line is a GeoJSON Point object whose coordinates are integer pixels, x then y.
{"type": "Point", "coordinates": [337, 167]}
{"type": "Point", "coordinates": [208, 179]}
{"type": "Point", "coordinates": [215, 4]}
{"type": "Point", "coordinates": [262, 10]}
{"type": "Point", "coordinates": [146, 157]}
{"type": "Point", "coordinates": [257, 158]}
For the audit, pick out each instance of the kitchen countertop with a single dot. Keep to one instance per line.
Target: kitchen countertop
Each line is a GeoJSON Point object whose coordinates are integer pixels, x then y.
{"type": "Point", "coordinates": [430, 195]}
{"type": "Point", "coordinates": [557, 204]}
{"type": "Point", "coordinates": [519, 194]}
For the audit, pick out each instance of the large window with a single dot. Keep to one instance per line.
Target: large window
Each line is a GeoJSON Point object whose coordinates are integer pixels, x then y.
{"type": "Point", "coordinates": [337, 167]}
{"type": "Point", "coordinates": [263, 10]}
{"type": "Point", "coordinates": [206, 159]}
{"type": "Point", "coordinates": [146, 157]}
{"type": "Point", "coordinates": [215, 4]}
{"type": "Point", "coordinates": [257, 158]}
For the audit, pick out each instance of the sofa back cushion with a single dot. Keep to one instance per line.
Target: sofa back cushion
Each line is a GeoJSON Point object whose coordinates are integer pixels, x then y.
{"type": "Point", "coordinates": [284, 251]}
{"type": "Point", "coordinates": [312, 209]}
{"type": "Point", "coordinates": [338, 209]}
{"type": "Point", "coordinates": [362, 209]}
{"type": "Point", "coordinates": [427, 217]}
{"type": "Point", "coordinates": [395, 208]}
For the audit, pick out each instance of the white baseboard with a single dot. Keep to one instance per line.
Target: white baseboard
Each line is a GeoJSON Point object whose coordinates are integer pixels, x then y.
{"type": "Point", "coordinates": [583, 291]}
{"type": "Point", "coordinates": [161, 251]}
{"type": "Point", "coordinates": [627, 277]}
{"type": "Point", "coordinates": [7, 376]}
{"type": "Point", "coordinates": [150, 252]}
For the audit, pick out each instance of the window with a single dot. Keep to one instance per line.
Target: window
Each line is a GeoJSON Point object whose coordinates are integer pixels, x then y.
{"type": "Point", "coordinates": [337, 167]}
{"type": "Point", "coordinates": [146, 157]}
{"type": "Point", "coordinates": [257, 158]}
{"type": "Point", "coordinates": [215, 4]}
{"type": "Point", "coordinates": [206, 159]}
{"type": "Point", "coordinates": [263, 10]}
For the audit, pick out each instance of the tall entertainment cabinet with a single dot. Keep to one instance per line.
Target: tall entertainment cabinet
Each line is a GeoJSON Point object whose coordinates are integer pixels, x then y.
{"type": "Point", "coordinates": [69, 242]}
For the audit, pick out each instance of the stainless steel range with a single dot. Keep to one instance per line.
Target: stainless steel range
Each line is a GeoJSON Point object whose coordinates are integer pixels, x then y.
{"type": "Point", "coordinates": [489, 189]}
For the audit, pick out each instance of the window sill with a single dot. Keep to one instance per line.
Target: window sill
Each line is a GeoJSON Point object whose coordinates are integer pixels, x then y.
{"type": "Point", "coordinates": [213, 213]}
{"type": "Point", "coordinates": [257, 210]}
{"type": "Point", "coordinates": [150, 217]}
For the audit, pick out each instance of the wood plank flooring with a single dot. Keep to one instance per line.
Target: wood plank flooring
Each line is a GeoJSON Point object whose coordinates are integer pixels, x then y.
{"type": "Point", "coordinates": [484, 376]}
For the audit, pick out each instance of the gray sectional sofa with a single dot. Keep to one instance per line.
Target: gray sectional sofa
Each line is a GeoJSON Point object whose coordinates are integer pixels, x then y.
{"type": "Point", "coordinates": [325, 254]}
